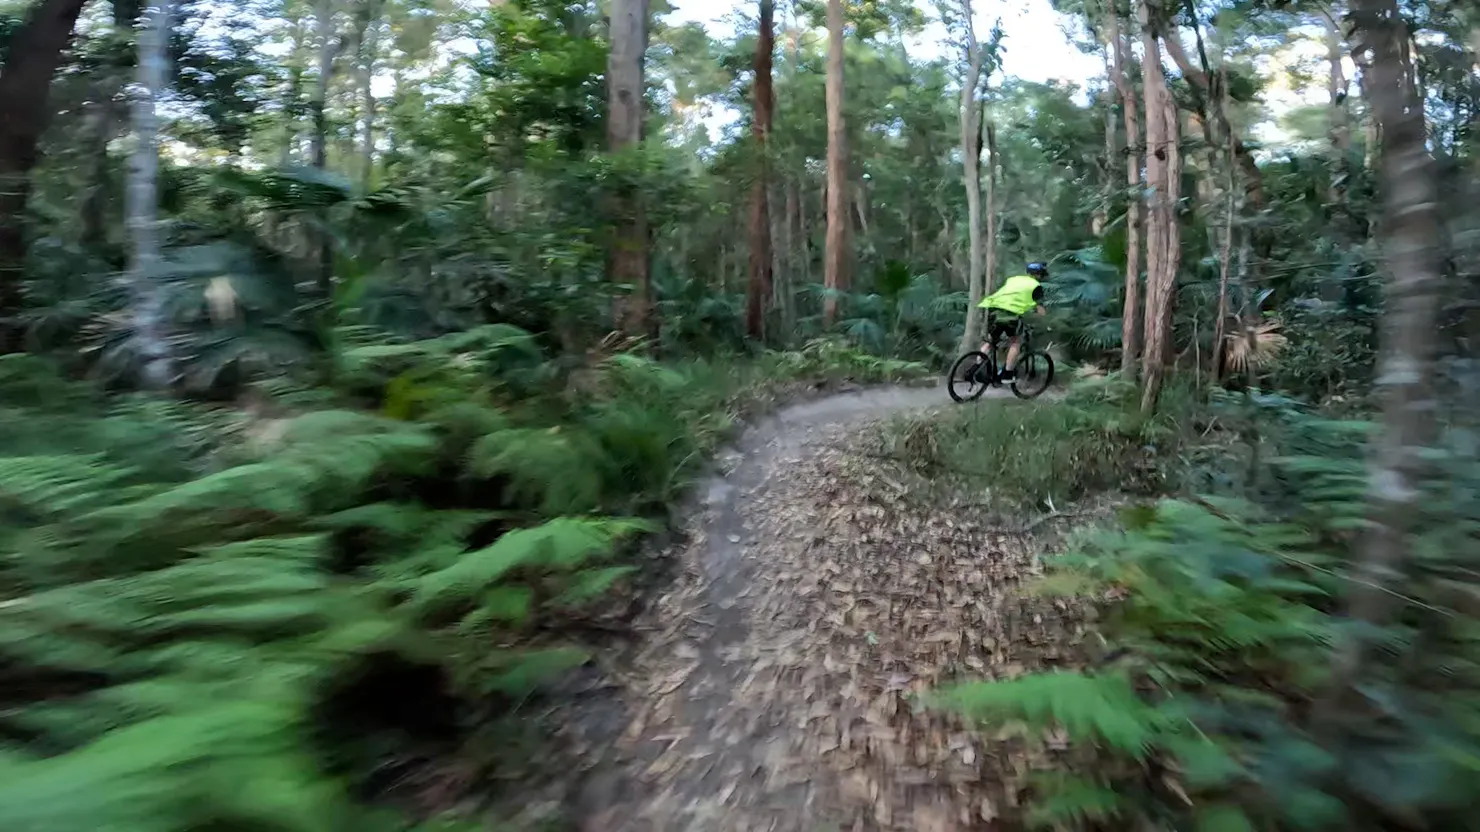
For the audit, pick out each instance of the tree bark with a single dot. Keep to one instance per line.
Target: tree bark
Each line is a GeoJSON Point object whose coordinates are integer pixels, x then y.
{"type": "Point", "coordinates": [369, 45]}
{"type": "Point", "coordinates": [1220, 320]}
{"type": "Point", "coordinates": [150, 329]}
{"type": "Point", "coordinates": [1340, 135]}
{"type": "Point", "coordinates": [1413, 254]}
{"type": "Point", "coordinates": [1130, 321]}
{"type": "Point", "coordinates": [104, 120]}
{"type": "Point", "coordinates": [318, 108]}
{"type": "Point", "coordinates": [971, 147]}
{"type": "Point", "coordinates": [1171, 260]}
{"type": "Point", "coordinates": [835, 275]}
{"type": "Point", "coordinates": [758, 289]}
{"type": "Point", "coordinates": [25, 94]}
{"type": "Point", "coordinates": [1156, 94]}
{"type": "Point", "coordinates": [625, 88]}
{"type": "Point", "coordinates": [989, 261]}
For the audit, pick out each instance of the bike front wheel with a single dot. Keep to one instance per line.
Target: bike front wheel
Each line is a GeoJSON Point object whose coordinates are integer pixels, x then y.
{"type": "Point", "coordinates": [970, 376]}
{"type": "Point", "coordinates": [1034, 375]}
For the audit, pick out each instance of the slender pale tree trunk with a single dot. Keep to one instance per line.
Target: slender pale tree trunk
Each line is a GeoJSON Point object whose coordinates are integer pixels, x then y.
{"type": "Point", "coordinates": [328, 47]}
{"type": "Point", "coordinates": [1108, 182]}
{"type": "Point", "coordinates": [1130, 325]}
{"type": "Point", "coordinates": [34, 53]}
{"type": "Point", "coordinates": [1171, 262]}
{"type": "Point", "coordinates": [835, 256]}
{"type": "Point", "coordinates": [1340, 133]}
{"type": "Point", "coordinates": [1154, 83]}
{"type": "Point", "coordinates": [103, 124]}
{"type": "Point", "coordinates": [369, 52]}
{"type": "Point", "coordinates": [150, 327]}
{"type": "Point", "coordinates": [1413, 253]}
{"type": "Point", "coordinates": [989, 259]}
{"type": "Point", "coordinates": [297, 60]}
{"type": "Point", "coordinates": [758, 289]}
{"type": "Point", "coordinates": [782, 271]}
{"type": "Point", "coordinates": [1220, 324]}
{"type": "Point", "coordinates": [971, 180]}
{"type": "Point", "coordinates": [625, 87]}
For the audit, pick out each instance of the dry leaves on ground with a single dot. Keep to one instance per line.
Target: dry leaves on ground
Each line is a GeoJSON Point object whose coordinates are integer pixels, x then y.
{"type": "Point", "coordinates": [780, 682]}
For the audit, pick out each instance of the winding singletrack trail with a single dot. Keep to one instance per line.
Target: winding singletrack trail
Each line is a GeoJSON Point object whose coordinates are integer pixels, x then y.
{"type": "Point", "coordinates": [773, 685]}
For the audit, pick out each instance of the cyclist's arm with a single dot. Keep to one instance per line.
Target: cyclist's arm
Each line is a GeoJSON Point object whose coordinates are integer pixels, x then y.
{"type": "Point", "coordinates": [1038, 300]}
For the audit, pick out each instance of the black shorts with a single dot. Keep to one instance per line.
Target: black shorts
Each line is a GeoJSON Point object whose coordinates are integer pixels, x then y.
{"type": "Point", "coordinates": [1001, 324]}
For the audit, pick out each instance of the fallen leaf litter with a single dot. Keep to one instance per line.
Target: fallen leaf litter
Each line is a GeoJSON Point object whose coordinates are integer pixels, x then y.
{"type": "Point", "coordinates": [777, 682]}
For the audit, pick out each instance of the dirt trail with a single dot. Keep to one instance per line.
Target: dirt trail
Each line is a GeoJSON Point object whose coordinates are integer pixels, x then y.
{"type": "Point", "coordinates": [771, 689]}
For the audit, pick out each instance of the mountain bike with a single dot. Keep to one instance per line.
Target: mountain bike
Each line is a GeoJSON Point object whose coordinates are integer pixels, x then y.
{"type": "Point", "coordinates": [975, 371]}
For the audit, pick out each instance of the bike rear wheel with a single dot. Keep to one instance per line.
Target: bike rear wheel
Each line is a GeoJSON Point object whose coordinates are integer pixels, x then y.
{"type": "Point", "coordinates": [1034, 375]}
{"type": "Point", "coordinates": [970, 376]}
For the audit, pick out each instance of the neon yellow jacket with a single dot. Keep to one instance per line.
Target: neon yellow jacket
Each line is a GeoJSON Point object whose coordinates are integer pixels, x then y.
{"type": "Point", "coordinates": [1015, 297]}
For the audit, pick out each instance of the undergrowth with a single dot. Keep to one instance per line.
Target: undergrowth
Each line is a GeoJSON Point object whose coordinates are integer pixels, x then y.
{"type": "Point", "coordinates": [1092, 439]}
{"type": "Point", "coordinates": [1214, 705]}
{"type": "Point", "coordinates": [211, 625]}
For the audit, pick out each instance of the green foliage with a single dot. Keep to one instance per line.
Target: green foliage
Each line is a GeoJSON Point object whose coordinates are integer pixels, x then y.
{"type": "Point", "coordinates": [191, 609]}
{"type": "Point", "coordinates": [1216, 707]}
{"type": "Point", "coordinates": [1214, 610]}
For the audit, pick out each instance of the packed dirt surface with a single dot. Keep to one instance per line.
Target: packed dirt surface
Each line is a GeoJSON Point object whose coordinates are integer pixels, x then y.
{"type": "Point", "coordinates": [775, 684]}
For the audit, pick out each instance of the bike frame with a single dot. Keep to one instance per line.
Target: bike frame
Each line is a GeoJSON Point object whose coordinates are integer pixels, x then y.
{"type": "Point", "coordinates": [1025, 336]}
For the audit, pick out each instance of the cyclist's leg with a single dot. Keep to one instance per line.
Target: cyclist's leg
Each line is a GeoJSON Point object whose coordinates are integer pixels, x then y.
{"type": "Point", "coordinates": [989, 329]}
{"type": "Point", "coordinates": [1013, 346]}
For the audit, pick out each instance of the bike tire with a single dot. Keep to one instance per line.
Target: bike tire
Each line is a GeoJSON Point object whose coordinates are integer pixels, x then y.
{"type": "Point", "coordinates": [970, 360]}
{"type": "Point", "coordinates": [1037, 368]}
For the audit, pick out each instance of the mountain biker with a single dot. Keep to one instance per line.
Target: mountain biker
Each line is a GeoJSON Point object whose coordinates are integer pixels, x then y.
{"type": "Point", "coordinates": [1005, 309]}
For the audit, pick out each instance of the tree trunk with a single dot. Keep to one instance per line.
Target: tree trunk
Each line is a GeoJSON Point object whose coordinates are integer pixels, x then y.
{"type": "Point", "coordinates": [1101, 217]}
{"type": "Point", "coordinates": [989, 262]}
{"type": "Point", "coordinates": [1220, 320]}
{"type": "Point", "coordinates": [835, 276]}
{"type": "Point", "coordinates": [783, 270]}
{"type": "Point", "coordinates": [92, 209]}
{"type": "Point", "coordinates": [625, 87]}
{"type": "Point", "coordinates": [369, 47]}
{"type": "Point", "coordinates": [971, 148]}
{"type": "Point", "coordinates": [25, 94]}
{"type": "Point", "coordinates": [1413, 253]}
{"type": "Point", "coordinates": [1171, 259]}
{"type": "Point", "coordinates": [293, 95]}
{"type": "Point", "coordinates": [103, 124]}
{"type": "Point", "coordinates": [1155, 86]}
{"type": "Point", "coordinates": [1130, 324]}
{"type": "Point", "coordinates": [318, 107]}
{"type": "Point", "coordinates": [758, 289]}
{"type": "Point", "coordinates": [150, 335]}
{"type": "Point", "coordinates": [1340, 135]}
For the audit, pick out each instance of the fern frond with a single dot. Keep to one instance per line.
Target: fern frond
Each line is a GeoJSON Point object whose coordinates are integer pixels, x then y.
{"type": "Point", "coordinates": [549, 468]}
{"type": "Point", "coordinates": [560, 545]}
{"type": "Point", "coordinates": [1070, 800]}
{"type": "Point", "coordinates": [1102, 707]}
{"type": "Point", "coordinates": [55, 485]}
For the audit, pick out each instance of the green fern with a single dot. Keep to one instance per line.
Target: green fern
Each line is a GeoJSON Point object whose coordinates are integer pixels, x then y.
{"type": "Point", "coordinates": [561, 545]}
{"type": "Point", "coordinates": [238, 764]}
{"type": "Point", "coordinates": [1103, 707]}
{"type": "Point", "coordinates": [1064, 799]}
{"type": "Point", "coordinates": [552, 469]}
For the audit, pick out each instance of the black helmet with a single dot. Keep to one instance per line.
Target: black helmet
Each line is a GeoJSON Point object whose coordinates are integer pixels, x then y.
{"type": "Point", "coordinates": [1038, 269]}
